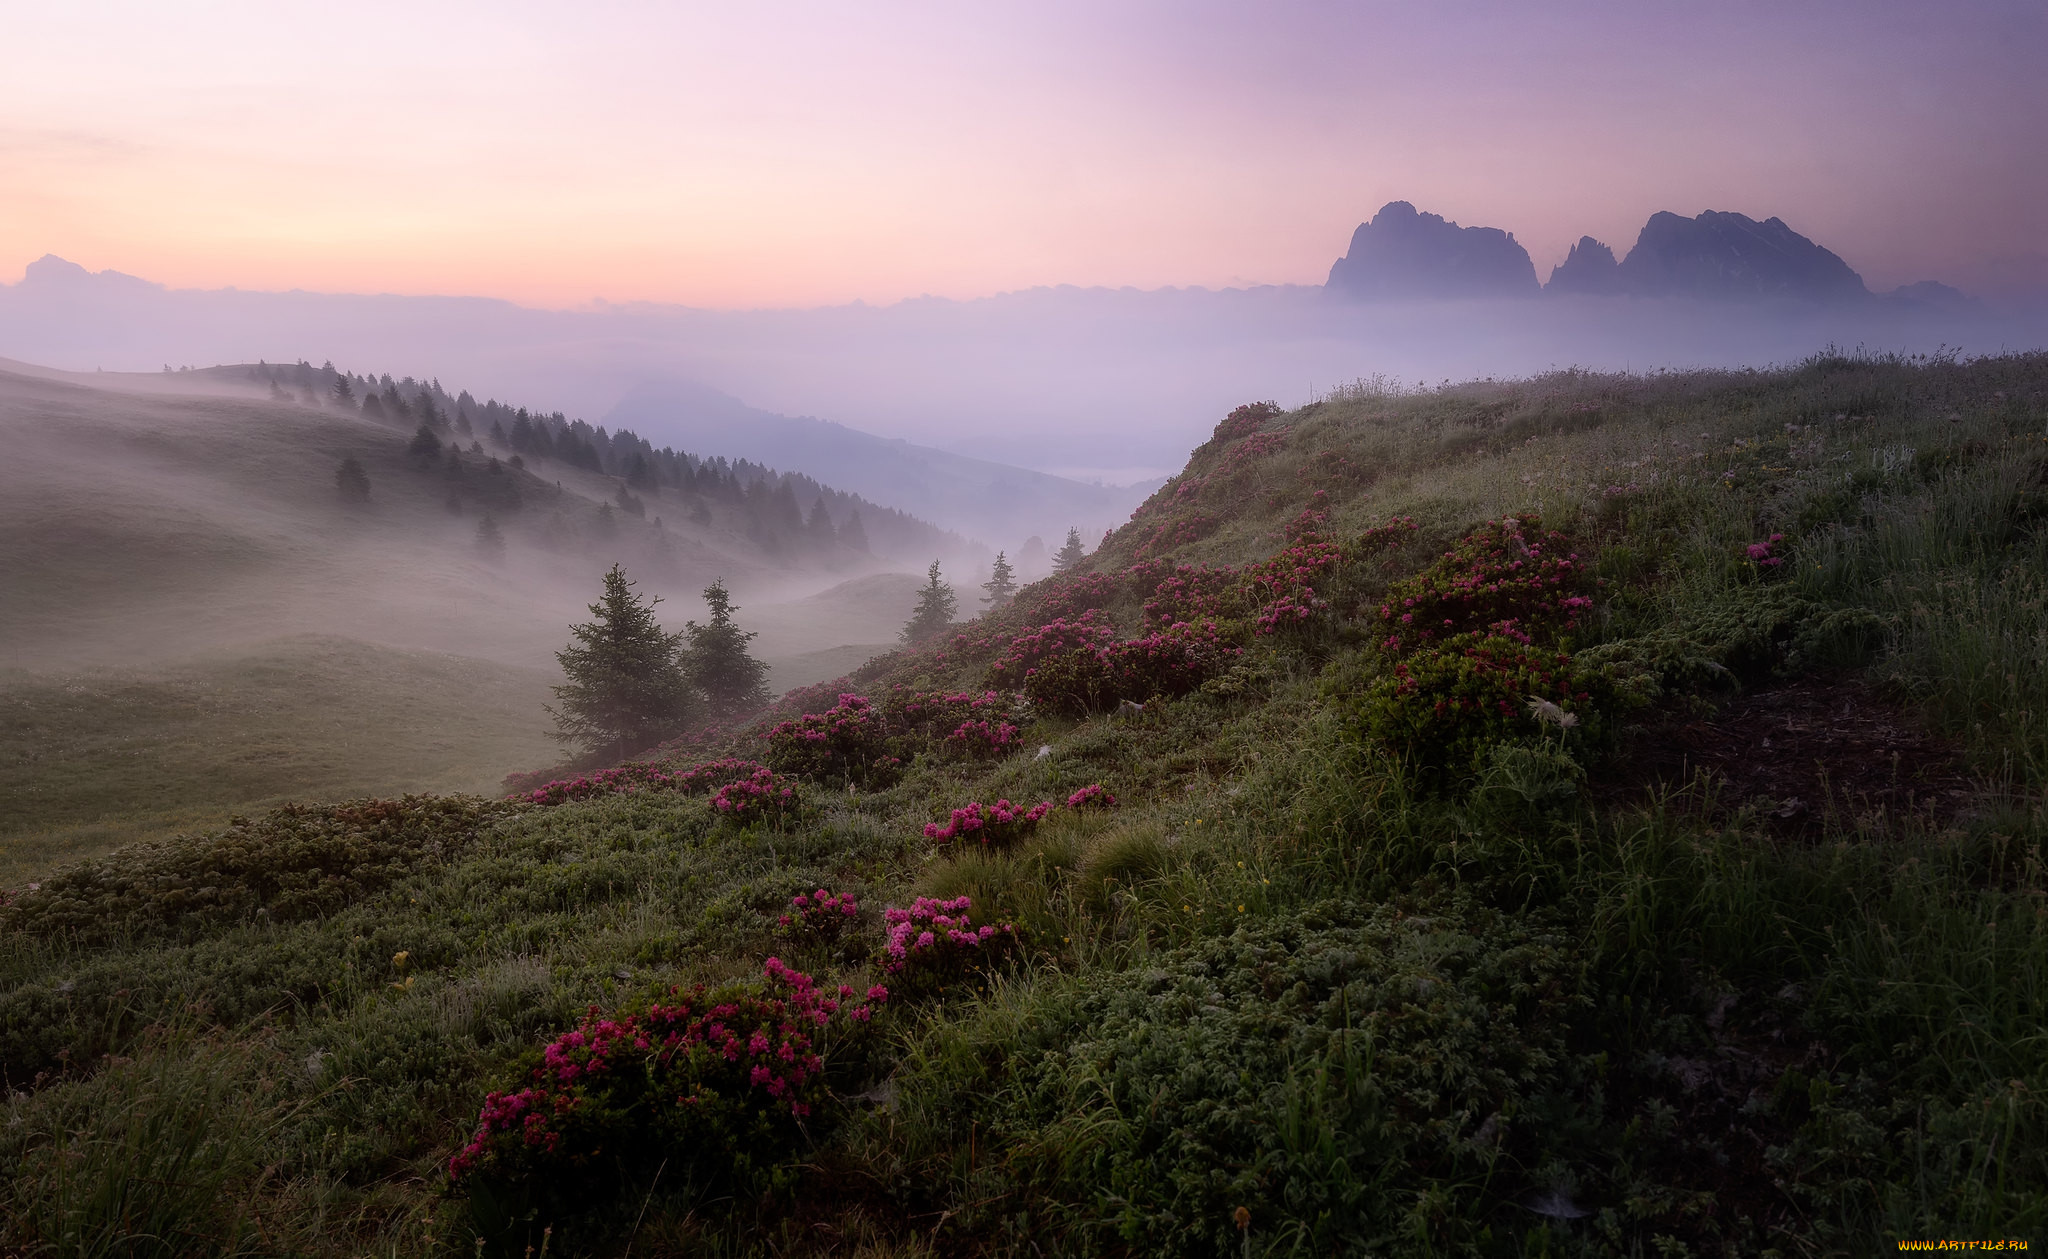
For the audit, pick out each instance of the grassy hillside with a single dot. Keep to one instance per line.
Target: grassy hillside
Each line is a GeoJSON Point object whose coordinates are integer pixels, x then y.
{"type": "Point", "coordinates": [102, 758]}
{"type": "Point", "coordinates": [1578, 816]}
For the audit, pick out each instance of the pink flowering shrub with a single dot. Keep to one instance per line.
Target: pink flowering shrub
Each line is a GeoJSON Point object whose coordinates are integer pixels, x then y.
{"type": "Point", "coordinates": [1026, 650]}
{"type": "Point", "coordinates": [963, 725]}
{"type": "Point", "coordinates": [1444, 705]}
{"type": "Point", "coordinates": [762, 796]}
{"type": "Point", "coordinates": [936, 944]}
{"type": "Point", "coordinates": [820, 917]}
{"type": "Point", "coordinates": [848, 743]}
{"type": "Point", "coordinates": [723, 1078]}
{"type": "Point", "coordinates": [1765, 554]}
{"type": "Point", "coordinates": [637, 776]}
{"type": "Point", "coordinates": [1092, 796]}
{"type": "Point", "coordinates": [1244, 421]}
{"type": "Point", "coordinates": [995, 825]}
{"type": "Point", "coordinates": [1169, 662]}
{"type": "Point", "coordinates": [1506, 577]}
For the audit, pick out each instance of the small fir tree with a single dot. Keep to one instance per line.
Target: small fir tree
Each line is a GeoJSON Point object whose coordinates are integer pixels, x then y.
{"type": "Point", "coordinates": [852, 534]}
{"type": "Point", "coordinates": [1001, 584]}
{"type": "Point", "coordinates": [626, 686]}
{"type": "Point", "coordinates": [733, 683]}
{"type": "Point", "coordinates": [490, 540]}
{"type": "Point", "coordinates": [935, 605]}
{"type": "Point", "coordinates": [344, 392]}
{"type": "Point", "coordinates": [424, 443]}
{"type": "Point", "coordinates": [352, 483]}
{"type": "Point", "coordinates": [1070, 553]}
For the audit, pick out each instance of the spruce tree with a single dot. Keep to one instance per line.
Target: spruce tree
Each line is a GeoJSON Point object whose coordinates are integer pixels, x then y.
{"type": "Point", "coordinates": [490, 540]}
{"type": "Point", "coordinates": [733, 683]}
{"type": "Point", "coordinates": [352, 483]}
{"type": "Point", "coordinates": [626, 688]}
{"type": "Point", "coordinates": [1001, 584]}
{"type": "Point", "coordinates": [424, 443]}
{"type": "Point", "coordinates": [935, 605]}
{"type": "Point", "coordinates": [852, 534]}
{"type": "Point", "coordinates": [344, 393]}
{"type": "Point", "coordinates": [1070, 553]}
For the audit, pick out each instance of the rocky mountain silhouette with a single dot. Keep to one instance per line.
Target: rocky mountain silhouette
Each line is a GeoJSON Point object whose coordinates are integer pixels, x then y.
{"type": "Point", "coordinates": [1725, 255]}
{"type": "Point", "coordinates": [1589, 268]}
{"type": "Point", "coordinates": [1404, 253]}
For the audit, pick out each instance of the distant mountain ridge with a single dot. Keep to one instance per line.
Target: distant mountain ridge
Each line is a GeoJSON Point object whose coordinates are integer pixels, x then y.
{"type": "Point", "coordinates": [1405, 253]}
{"type": "Point", "coordinates": [1717, 255]}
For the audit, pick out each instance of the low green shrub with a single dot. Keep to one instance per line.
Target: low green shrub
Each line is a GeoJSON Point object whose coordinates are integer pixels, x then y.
{"type": "Point", "coordinates": [299, 862]}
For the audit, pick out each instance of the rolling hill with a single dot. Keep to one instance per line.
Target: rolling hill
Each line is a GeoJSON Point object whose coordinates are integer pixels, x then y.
{"type": "Point", "coordinates": [1589, 815]}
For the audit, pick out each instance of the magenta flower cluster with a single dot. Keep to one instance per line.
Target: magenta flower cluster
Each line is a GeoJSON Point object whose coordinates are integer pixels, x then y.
{"type": "Point", "coordinates": [1765, 554]}
{"type": "Point", "coordinates": [1024, 651]}
{"type": "Point", "coordinates": [821, 915]}
{"type": "Point", "coordinates": [935, 942]}
{"type": "Point", "coordinates": [757, 1049]}
{"type": "Point", "coordinates": [1092, 796]}
{"type": "Point", "coordinates": [635, 777]}
{"type": "Point", "coordinates": [761, 795]}
{"type": "Point", "coordinates": [850, 740]}
{"type": "Point", "coordinates": [993, 824]}
{"type": "Point", "coordinates": [1506, 576]}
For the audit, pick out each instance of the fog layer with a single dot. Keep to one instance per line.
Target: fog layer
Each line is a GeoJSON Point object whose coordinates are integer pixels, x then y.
{"type": "Point", "coordinates": [1085, 383]}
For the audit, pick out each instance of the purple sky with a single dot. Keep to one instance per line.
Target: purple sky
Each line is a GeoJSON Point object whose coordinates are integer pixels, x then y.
{"type": "Point", "coordinates": [778, 154]}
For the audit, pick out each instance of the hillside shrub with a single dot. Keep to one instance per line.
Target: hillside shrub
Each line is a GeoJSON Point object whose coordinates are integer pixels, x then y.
{"type": "Point", "coordinates": [848, 743]}
{"type": "Point", "coordinates": [1445, 705]}
{"type": "Point", "coordinates": [297, 862]}
{"type": "Point", "coordinates": [636, 776]}
{"type": "Point", "coordinates": [820, 917]}
{"type": "Point", "coordinates": [1092, 796]}
{"type": "Point", "coordinates": [960, 724]}
{"type": "Point", "coordinates": [1027, 650]}
{"type": "Point", "coordinates": [935, 945]}
{"type": "Point", "coordinates": [1244, 421]}
{"type": "Point", "coordinates": [995, 825]}
{"type": "Point", "coordinates": [1506, 577]}
{"type": "Point", "coordinates": [1359, 1081]}
{"type": "Point", "coordinates": [720, 1080]}
{"type": "Point", "coordinates": [1170, 662]}
{"type": "Point", "coordinates": [762, 796]}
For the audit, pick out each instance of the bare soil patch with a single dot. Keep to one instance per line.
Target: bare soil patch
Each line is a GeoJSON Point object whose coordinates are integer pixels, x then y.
{"type": "Point", "coordinates": [1818, 753]}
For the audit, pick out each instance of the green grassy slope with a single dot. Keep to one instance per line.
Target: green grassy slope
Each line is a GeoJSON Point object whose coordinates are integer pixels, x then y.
{"type": "Point", "coordinates": [1367, 959]}
{"type": "Point", "coordinates": [98, 759]}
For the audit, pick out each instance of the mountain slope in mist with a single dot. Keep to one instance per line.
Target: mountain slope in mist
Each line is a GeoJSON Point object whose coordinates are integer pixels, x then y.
{"type": "Point", "coordinates": [147, 518]}
{"type": "Point", "coordinates": [996, 502]}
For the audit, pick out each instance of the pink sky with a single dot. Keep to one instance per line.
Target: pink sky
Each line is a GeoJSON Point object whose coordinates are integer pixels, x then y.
{"type": "Point", "coordinates": [778, 154]}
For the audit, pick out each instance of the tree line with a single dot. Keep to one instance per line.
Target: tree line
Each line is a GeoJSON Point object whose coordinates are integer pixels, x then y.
{"type": "Point", "coordinates": [783, 511]}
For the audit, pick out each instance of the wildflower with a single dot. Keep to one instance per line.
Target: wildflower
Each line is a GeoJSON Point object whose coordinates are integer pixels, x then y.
{"type": "Point", "coordinates": [1545, 711]}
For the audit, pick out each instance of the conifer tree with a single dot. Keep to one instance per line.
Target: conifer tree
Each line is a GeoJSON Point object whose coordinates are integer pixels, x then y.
{"type": "Point", "coordinates": [733, 683]}
{"type": "Point", "coordinates": [424, 443]}
{"type": "Point", "coordinates": [626, 688]}
{"type": "Point", "coordinates": [1001, 584]}
{"type": "Point", "coordinates": [935, 605]}
{"type": "Point", "coordinates": [352, 483]}
{"type": "Point", "coordinates": [819, 527]}
{"type": "Point", "coordinates": [490, 540]}
{"type": "Point", "coordinates": [344, 393]}
{"type": "Point", "coordinates": [852, 534]}
{"type": "Point", "coordinates": [1070, 553]}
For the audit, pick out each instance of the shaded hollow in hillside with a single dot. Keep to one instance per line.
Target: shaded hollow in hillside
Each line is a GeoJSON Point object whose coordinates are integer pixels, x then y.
{"type": "Point", "coordinates": [1812, 755]}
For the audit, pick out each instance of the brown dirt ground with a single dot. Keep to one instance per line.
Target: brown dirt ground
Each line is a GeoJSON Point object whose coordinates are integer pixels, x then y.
{"type": "Point", "coordinates": [1810, 757]}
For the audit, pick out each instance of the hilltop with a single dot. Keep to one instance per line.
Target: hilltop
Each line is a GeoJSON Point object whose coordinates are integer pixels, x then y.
{"type": "Point", "coordinates": [1593, 814]}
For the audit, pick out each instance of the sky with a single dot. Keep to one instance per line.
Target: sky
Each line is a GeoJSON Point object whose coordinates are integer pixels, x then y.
{"type": "Point", "coordinates": [789, 155]}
